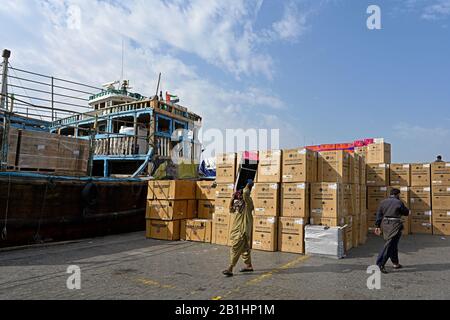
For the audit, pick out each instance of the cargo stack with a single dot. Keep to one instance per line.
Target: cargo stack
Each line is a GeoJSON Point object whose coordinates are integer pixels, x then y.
{"type": "Point", "coordinates": [226, 165]}
{"type": "Point", "coordinates": [167, 208]}
{"type": "Point", "coordinates": [400, 178]}
{"type": "Point", "coordinates": [378, 158]}
{"type": "Point", "coordinates": [332, 198]}
{"type": "Point", "coordinates": [299, 168]}
{"type": "Point", "coordinates": [355, 209]}
{"type": "Point", "coordinates": [440, 179]}
{"type": "Point", "coordinates": [266, 199]}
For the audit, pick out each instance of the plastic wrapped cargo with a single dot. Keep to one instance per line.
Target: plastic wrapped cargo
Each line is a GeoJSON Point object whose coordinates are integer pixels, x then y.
{"type": "Point", "coordinates": [325, 241]}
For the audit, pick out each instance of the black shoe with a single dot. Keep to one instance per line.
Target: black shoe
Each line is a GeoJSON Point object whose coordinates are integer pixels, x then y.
{"type": "Point", "coordinates": [243, 270]}
{"type": "Point", "coordinates": [398, 266]}
{"type": "Point", "coordinates": [227, 273]}
{"type": "Point", "coordinates": [383, 270]}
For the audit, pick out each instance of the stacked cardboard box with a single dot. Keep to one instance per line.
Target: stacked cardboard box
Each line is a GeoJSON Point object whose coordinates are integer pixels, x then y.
{"type": "Point", "coordinates": [334, 166]}
{"type": "Point", "coordinates": [226, 168]}
{"type": "Point", "coordinates": [378, 159]}
{"type": "Point", "coordinates": [167, 208]}
{"type": "Point", "coordinates": [420, 206]}
{"type": "Point", "coordinates": [299, 168]}
{"type": "Point", "coordinates": [266, 199]}
{"type": "Point", "coordinates": [440, 178]}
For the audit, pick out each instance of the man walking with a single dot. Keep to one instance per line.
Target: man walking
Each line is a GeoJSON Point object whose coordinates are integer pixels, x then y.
{"type": "Point", "coordinates": [241, 232]}
{"type": "Point", "coordinates": [389, 221]}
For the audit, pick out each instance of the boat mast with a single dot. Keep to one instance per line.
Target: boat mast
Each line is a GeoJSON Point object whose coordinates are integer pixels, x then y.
{"type": "Point", "coordinates": [4, 105]}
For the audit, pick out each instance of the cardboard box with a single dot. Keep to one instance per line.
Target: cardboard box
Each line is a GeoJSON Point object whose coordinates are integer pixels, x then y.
{"type": "Point", "coordinates": [355, 231]}
{"type": "Point", "coordinates": [421, 214]}
{"type": "Point", "coordinates": [374, 196]}
{"type": "Point", "coordinates": [224, 191]}
{"type": "Point", "coordinates": [291, 235]}
{"type": "Point", "coordinates": [299, 165]}
{"type": "Point", "coordinates": [404, 194]}
{"type": "Point", "coordinates": [206, 209]}
{"type": "Point", "coordinates": [266, 199]}
{"type": "Point", "coordinates": [420, 198]}
{"type": "Point", "coordinates": [334, 166]}
{"type": "Point", "coordinates": [295, 200]}
{"type": "Point", "coordinates": [378, 153]}
{"type": "Point", "coordinates": [226, 168]}
{"type": "Point", "coordinates": [406, 226]}
{"type": "Point", "coordinates": [441, 215]}
{"type": "Point", "coordinates": [363, 199]}
{"type": "Point", "coordinates": [163, 230]}
{"type": "Point", "coordinates": [363, 229]}
{"type": "Point", "coordinates": [167, 210]}
{"type": "Point", "coordinates": [348, 242]}
{"type": "Point", "coordinates": [192, 209]}
{"type": "Point", "coordinates": [173, 189]}
{"type": "Point", "coordinates": [362, 152]}
{"type": "Point", "coordinates": [420, 174]}
{"type": "Point", "coordinates": [440, 173]}
{"type": "Point", "coordinates": [348, 199]}
{"type": "Point", "coordinates": [355, 168]}
{"type": "Point", "coordinates": [265, 233]}
{"type": "Point", "coordinates": [400, 175]}
{"type": "Point", "coordinates": [421, 225]}
{"type": "Point", "coordinates": [206, 190]}
{"type": "Point", "coordinates": [197, 230]}
{"type": "Point", "coordinates": [221, 229]}
{"type": "Point", "coordinates": [222, 206]}
{"type": "Point", "coordinates": [150, 194]}
{"type": "Point", "coordinates": [327, 200]}
{"type": "Point", "coordinates": [377, 175]}
{"type": "Point", "coordinates": [441, 227]}
{"type": "Point", "coordinates": [269, 168]}
{"type": "Point", "coordinates": [440, 197]}
{"type": "Point", "coordinates": [329, 222]}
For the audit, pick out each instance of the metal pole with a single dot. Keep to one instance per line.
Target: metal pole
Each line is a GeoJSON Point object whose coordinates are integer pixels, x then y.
{"type": "Point", "coordinates": [4, 105]}
{"type": "Point", "coordinates": [4, 98]}
{"type": "Point", "coordinates": [53, 100]}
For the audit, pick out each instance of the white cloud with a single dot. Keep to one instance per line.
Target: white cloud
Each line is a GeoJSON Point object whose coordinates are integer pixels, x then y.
{"type": "Point", "coordinates": [439, 10]}
{"type": "Point", "coordinates": [156, 35]}
{"type": "Point", "coordinates": [415, 132]}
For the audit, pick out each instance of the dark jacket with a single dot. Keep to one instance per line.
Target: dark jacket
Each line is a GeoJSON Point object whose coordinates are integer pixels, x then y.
{"type": "Point", "coordinates": [391, 208]}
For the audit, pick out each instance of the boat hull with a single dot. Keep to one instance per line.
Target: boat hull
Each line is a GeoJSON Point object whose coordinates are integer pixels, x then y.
{"type": "Point", "coordinates": [38, 208]}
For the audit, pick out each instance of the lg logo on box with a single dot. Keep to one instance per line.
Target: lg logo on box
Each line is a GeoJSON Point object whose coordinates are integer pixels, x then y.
{"type": "Point", "coordinates": [74, 280]}
{"type": "Point", "coordinates": [374, 20]}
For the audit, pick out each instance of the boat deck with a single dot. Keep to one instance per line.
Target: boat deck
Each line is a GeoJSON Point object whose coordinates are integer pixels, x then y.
{"type": "Point", "coordinates": [132, 267]}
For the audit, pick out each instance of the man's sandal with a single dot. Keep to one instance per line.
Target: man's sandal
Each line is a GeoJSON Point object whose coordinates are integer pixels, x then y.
{"type": "Point", "coordinates": [227, 273]}
{"type": "Point", "coordinates": [246, 270]}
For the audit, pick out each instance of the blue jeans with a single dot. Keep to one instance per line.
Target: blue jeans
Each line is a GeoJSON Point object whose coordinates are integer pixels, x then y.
{"type": "Point", "coordinates": [390, 251]}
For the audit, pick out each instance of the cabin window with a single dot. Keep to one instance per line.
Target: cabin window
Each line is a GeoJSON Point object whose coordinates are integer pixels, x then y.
{"type": "Point", "coordinates": [164, 125]}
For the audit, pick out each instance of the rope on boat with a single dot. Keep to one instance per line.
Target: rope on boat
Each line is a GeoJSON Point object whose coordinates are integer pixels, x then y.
{"type": "Point", "coordinates": [4, 231]}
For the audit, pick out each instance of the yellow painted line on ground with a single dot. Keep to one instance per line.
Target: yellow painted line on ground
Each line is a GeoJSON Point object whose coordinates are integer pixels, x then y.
{"type": "Point", "coordinates": [264, 276]}
{"type": "Point", "coordinates": [153, 283]}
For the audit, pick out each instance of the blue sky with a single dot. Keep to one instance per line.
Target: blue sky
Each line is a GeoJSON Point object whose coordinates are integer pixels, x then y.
{"type": "Point", "coordinates": [310, 68]}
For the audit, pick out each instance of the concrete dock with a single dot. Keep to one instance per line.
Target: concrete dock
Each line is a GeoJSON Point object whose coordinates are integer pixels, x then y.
{"type": "Point", "coordinates": [132, 267]}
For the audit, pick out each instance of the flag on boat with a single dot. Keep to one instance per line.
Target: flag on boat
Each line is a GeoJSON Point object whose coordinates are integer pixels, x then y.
{"type": "Point", "coordinates": [172, 98]}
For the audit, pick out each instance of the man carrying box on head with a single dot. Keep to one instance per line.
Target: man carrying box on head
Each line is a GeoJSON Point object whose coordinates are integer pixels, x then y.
{"type": "Point", "coordinates": [241, 232]}
{"type": "Point", "coordinates": [389, 221]}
